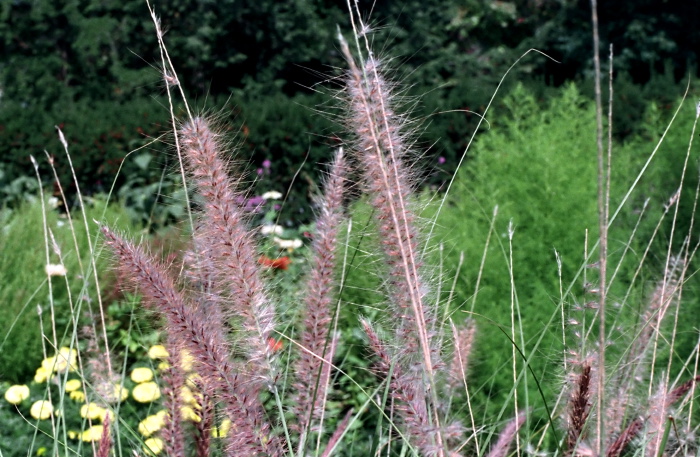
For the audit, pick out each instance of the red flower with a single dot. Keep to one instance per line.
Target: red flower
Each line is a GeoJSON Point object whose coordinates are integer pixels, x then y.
{"type": "Point", "coordinates": [281, 263]}
{"type": "Point", "coordinates": [274, 345]}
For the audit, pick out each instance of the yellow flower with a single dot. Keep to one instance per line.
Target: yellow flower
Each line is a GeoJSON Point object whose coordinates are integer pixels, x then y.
{"type": "Point", "coordinates": [17, 394]}
{"type": "Point", "coordinates": [48, 364]}
{"type": "Point", "coordinates": [41, 409]}
{"type": "Point", "coordinates": [188, 414]}
{"type": "Point", "coordinates": [66, 358]}
{"type": "Point", "coordinates": [41, 375]}
{"type": "Point", "coordinates": [193, 379]}
{"type": "Point", "coordinates": [146, 392]}
{"type": "Point", "coordinates": [162, 366]}
{"type": "Point", "coordinates": [73, 384]}
{"type": "Point", "coordinates": [78, 396]}
{"type": "Point", "coordinates": [41, 451]}
{"type": "Point", "coordinates": [141, 374]}
{"type": "Point", "coordinates": [222, 430]}
{"type": "Point", "coordinates": [92, 411]}
{"type": "Point", "coordinates": [121, 392]}
{"type": "Point", "coordinates": [72, 434]}
{"type": "Point", "coordinates": [152, 423]}
{"type": "Point", "coordinates": [94, 433]}
{"type": "Point", "coordinates": [187, 360]}
{"type": "Point", "coordinates": [153, 446]}
{"type": "Point", "coordinates": [188, 397]}
{"type": "Point", "coordinates": [158, 352]}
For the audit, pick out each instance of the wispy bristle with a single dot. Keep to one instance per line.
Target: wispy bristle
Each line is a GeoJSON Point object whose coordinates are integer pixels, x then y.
{"type": "Point", "coordinates": [627, 435]}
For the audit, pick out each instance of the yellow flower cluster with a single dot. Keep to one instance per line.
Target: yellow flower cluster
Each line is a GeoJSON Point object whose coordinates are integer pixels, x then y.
{"type": "Point", "coordinates": [152, 423]}
{"type": "Point", "coordinates": [16, 394]}
{"type": "Point", "coordinates": [93, 433]}
{"type": "Point", "coordinates": [41, 410]}
{"type": "Point", "coordinates": [73, 388]}
{"type": "Point", "coordinates": [93, 411]}
{"type": "Point", "coordinates": [65, 360]}
{"type": "Point", "coordinates": [159, 352]}
{"type": "Point", "coordinates": [222, 430]}
{"type": "Point", "coordinates": [146, 392]}
{"type": "Point", "coordinates": [146, 389]}
{"type": "Point", "coordinates": [153, 446]}
{"type": "Point", "coordinates": [73, 384]}
{"type": "Point", "coordinates": [141, 374]}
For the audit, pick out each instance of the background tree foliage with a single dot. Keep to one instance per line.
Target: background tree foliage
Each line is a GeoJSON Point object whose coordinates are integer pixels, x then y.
{"type": "Point", "coordinates": [91, 67]}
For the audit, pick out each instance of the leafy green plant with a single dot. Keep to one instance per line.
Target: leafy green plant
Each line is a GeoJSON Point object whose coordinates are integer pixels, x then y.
{"type": "Point", "coordinates": [532, 177]}
{"type": "Point", "coordinates": [24, 275]}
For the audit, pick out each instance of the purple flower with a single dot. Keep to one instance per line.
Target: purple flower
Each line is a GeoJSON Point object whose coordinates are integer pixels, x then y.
{"type": "Point", "coordinates": [441, 160]}
{"type": "Point", "coordinates": [250, 204]}
{"type": "Point", "coordinates": [266, 164]}
{"type": "Point", "coordinates": [254, 202]}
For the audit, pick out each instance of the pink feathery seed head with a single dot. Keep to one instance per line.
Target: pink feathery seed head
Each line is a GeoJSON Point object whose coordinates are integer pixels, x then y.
{"type": "Point", "coordinates": [225, 237]}
{"type": "Point", "coordinates": [311, 370]}
{"type": "Point", "coordinates": [205, 341]}
{"type": "Point", "coordinates": [463, 342]}
{"type": "Point", "coordinates": [657, 416]}
{"type": "Point", "coordinates": [579, 406]}
{"type": "Point", "coordinates": [627, 435]}
{"type": "Point", "coordinates": [505, 439]}
{"type": "Point", "coordinates": [173, 380]}
{"type": "Point", "coordinates": [106, 439]}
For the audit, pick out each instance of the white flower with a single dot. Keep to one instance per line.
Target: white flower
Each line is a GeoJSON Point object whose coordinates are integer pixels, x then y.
{"type": "Point", "coordinates": [53, 202]}
{"type": "Point", "coordinates": [288, 244]}
{"type": "Point", "coordinates": [272, 195]}
{"type": "Point", "coordinates": [272, 229]}
{"type": "Point", "coordinates": [56, 270]}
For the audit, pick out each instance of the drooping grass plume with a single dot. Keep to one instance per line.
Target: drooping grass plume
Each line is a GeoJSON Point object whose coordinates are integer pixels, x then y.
{"type": "Point", "coordinates": [659, 415]}
{"type": "Point", "coordinates": [628, 434]}
{"type": "Point", "coordinates": [105, 445]}
{"type": "Point", "coordinates": [207, 343]}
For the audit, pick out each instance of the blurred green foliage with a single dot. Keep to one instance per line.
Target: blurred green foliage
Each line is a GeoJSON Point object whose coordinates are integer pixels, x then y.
{"type": "Point", "coordinates": [25, 289]}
